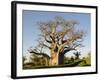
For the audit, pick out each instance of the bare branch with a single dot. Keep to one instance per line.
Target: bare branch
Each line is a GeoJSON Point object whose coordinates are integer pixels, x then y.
{"type": "Point", "coordinates": [46, 38]}
{"type": "Point", "coordinates": [77, 45]}
{"type": "Point", "coordinates": [67, 49]}
{"type": "Point", "coordinates": [41, 43]}
{"type": "Point", "coordinates": [44, 54]}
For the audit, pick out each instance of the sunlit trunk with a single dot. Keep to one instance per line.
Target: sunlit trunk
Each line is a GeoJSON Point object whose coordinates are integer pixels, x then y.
{"type": "Point", "coordinates": [57, 54]}
{"type": "Point", "coordinates": [57, 58]}
{"type": "Point", "coordinates": [54, 59]}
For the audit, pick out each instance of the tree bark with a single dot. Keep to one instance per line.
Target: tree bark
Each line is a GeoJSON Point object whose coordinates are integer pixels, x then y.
{"type": "Point", "coordinates": [57, 55]}
{"type": "Point", "coordinates": [61, 56]}
{"type": "Point", "coordinates": [61, 59]}
{"type": "Point", "coordinates": [54, 59]}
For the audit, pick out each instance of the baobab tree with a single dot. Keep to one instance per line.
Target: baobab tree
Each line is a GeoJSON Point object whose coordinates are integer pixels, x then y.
{"type": "Point", "coordinates": [60, 36]}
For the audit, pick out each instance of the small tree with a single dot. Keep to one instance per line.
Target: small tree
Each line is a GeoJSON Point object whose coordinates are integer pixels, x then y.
{"type": "Point", "coordinates": [38, 56]}
{"type": "Point", "coordinates": [77, 54]}
{"type": "Point", "coordinates": [24, 58]}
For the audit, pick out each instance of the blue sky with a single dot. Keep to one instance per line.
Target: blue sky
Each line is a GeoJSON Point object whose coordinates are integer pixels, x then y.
{"type": "Point", "coordinates": [30, 27]}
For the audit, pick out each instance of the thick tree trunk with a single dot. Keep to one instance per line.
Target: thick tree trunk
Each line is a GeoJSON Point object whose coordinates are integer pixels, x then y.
{"type": "Point", "coordinates": [61, 59]}
{"type": "Point", "coordinates": [54, 59]}
{"type": "Point", "coordinates": [58, 58]}
{"type": "Point", "coordinates": [61, 56]}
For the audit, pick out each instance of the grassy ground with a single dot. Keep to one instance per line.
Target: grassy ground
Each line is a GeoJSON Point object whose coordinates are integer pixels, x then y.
{"type": "Point", "coordinates": [76, 63]}
{"type": "Point", "coordinates": [85, 62]}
